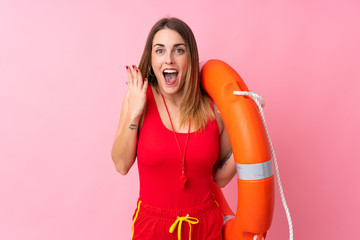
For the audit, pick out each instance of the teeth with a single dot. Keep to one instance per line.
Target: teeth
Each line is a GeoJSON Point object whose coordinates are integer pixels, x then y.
{"type": "Point", "coordinates": [170, 71]}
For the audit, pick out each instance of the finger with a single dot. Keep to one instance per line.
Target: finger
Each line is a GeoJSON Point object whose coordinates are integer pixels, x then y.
{"type": "Point", "coordinates": [130, 75]}
{"type": "Point", "coordinates": [136, 78]}
{"type": "Point", "coordinates": [135, 74]}
{"type": "Point", "coordinates": [145, 86]}
{"type": "Point", "coordinates": [140, 79]}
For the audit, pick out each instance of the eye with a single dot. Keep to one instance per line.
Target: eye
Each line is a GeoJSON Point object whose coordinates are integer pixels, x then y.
{"type": "Point", "coordinates": [179, 50]}
{"type": "Point", "coordinates": [159, 50]}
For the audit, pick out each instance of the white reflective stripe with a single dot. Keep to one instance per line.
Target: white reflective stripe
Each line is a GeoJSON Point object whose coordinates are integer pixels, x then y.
{"type": "Point", "coordinates": [256, 237]}
{"type": "Point", "coordinates": [227, 218]}
{"type": "Point", "coordinates": [254, 171]}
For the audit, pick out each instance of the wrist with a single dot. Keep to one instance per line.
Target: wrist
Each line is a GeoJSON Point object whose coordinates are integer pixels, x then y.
{"type": "Point", "coordinates": [134, 119]}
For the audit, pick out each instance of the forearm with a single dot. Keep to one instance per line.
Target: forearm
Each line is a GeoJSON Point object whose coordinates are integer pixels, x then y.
{"type": "Point", "coordinates": [225, 168]}
{"type": "Point", "coordinates": [124, 146]}
{"type": "Point", "coordinates": [225, 171]}
{"type": "Point", "coordinates": [125, 143]}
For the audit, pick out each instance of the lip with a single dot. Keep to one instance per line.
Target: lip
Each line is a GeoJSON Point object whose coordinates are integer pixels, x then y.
{"type": "Point", "coordinates": [170, 69]}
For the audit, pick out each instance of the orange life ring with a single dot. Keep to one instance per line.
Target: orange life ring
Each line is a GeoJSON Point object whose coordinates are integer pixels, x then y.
{"type": "Point", "coordinates": [251, 151]}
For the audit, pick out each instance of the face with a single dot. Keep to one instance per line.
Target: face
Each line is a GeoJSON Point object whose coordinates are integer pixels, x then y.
{"type": "Point", "coordinates": [169, 61]}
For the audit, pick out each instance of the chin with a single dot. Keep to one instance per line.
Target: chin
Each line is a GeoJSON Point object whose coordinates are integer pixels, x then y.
{"type": "Point", "coordinates": [170, 89]}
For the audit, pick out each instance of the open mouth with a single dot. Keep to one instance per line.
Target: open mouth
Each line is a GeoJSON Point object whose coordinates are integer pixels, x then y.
{"type": "Point", "coordinates": [170, 75]}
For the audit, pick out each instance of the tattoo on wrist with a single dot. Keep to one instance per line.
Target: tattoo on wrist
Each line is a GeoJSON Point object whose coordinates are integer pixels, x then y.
{"type": "Point", "coordinates": [133, 126]}
{"type": "Point", "coordinates": [222, 163]}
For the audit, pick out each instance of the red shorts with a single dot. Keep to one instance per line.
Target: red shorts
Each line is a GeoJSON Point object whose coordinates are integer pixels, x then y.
{"type": "Point", "coordinates": [203, 222]}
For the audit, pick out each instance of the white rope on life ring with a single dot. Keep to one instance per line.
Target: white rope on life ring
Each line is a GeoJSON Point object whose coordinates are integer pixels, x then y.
{"type": "Point", "coordinates": [260, 102]}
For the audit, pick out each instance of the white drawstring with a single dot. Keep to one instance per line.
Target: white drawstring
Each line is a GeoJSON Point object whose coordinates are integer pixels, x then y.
{"type": "Point", "coordinates": [260, 102]}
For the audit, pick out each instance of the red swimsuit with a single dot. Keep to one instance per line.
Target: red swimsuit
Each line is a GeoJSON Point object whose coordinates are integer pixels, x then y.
{"type": "Point", "coordinates": [160, 167]}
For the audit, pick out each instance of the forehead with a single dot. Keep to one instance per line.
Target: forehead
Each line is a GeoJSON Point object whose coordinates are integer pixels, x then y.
{"type": "Point", "coordinates": [167, 37]}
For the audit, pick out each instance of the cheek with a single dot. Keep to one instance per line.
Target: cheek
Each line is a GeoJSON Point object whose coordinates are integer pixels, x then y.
{"type": "Point", "coordinates": [156, 66]}
{"type": "Point", "coordinates": [185, 67]}
{"type": "Point", "coordinates": [155, 59]}
{"type": "Point", "coordinates": [184, 64]}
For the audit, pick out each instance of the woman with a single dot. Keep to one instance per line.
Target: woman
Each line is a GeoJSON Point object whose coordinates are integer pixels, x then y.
{"type": "Point", "coordinates": [177, 134]}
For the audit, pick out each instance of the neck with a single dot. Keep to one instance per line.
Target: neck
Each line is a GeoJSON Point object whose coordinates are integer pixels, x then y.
{"type": "Point", "coordinates": [176, 114]}
{"type": "Point", "coordinates": [173, 100]}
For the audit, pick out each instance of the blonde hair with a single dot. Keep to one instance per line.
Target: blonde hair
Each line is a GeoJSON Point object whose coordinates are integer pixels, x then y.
{"type": "Point", "coordinates": [195, 104]}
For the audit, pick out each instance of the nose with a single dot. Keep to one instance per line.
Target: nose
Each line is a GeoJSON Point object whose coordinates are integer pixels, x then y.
{"type": "Point", "coordinates": [169, 58]}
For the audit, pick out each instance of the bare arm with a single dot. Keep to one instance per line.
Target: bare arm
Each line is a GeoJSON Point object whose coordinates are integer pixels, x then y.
{"type": "Point", "coordinates": [125, 143]}
{"type": "Point", "coordinates": [225, 169]}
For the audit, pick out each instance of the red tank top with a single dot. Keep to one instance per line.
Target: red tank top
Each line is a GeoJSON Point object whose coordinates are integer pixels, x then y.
{"type": "Point", "coordinates": [159, 161]}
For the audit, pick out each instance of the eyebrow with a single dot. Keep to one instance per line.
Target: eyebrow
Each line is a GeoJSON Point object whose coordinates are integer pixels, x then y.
{"type": "Point", "coordinates": [162, 45]}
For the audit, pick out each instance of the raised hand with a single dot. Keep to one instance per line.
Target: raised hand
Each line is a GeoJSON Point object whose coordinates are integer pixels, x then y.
{"type": "Point", "coordinates": [136, 94]}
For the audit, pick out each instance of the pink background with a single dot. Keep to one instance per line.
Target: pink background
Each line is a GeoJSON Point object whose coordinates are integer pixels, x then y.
{"type": "Point", "coordinates": [62, 80]}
